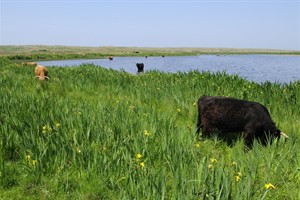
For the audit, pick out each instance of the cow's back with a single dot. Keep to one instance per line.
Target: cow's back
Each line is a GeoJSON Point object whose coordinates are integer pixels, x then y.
{"type": "Point", "coordinates": [229, 114]}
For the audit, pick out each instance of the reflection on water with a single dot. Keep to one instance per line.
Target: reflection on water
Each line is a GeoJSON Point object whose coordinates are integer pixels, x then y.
{"type": "Point", "coordinates": [258, 68]}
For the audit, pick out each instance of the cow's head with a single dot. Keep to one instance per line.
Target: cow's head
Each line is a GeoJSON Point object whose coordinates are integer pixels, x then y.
{"type": "Point", "coordinates": [271, 133]}
{"type": "Point", "coordinates": [41, 78]}
{"type": "Point", "coordinates": [275, 132]}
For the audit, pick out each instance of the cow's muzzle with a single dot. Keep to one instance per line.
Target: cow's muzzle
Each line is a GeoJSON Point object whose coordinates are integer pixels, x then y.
{"type": "Point", "coordinates": [42, 77]}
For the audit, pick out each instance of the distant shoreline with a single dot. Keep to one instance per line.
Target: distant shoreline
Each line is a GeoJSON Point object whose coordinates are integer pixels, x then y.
{"type": "Point", "coordinates": [45, 52]}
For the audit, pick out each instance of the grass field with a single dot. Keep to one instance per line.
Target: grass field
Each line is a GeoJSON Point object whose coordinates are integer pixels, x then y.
{"type": "Point", "coordinates": [93, 133]}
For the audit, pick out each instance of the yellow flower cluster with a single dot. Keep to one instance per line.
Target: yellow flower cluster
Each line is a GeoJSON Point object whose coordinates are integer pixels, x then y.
{"type": "Point", "coordinates": [238, 176]}
{"type": "Point", "coordinates": [138, 159]}
{"type": "Point", "coordinates": [46, 129]}
{"type": "Point", "coordinates": [213, 161]}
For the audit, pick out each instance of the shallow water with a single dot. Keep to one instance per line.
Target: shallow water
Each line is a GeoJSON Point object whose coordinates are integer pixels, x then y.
{"type": "Point", "coordinates": [258, 68]}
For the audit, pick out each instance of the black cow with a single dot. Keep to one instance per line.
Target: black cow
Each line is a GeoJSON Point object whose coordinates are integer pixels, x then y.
{"type": "Point", "coordinates": [140, 67]}
{"type": "Point", "coordinates": [226, 115]}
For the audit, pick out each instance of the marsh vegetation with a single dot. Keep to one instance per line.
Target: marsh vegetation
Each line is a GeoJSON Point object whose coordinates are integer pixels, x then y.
{"type": "Point", "coordinates": [95, 133]}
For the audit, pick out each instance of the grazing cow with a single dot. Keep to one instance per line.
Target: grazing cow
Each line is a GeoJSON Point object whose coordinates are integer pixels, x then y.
{"type": "Point", "coordinates": [110, 58]}
{"type": "Point", "coordinates": [140, 67]}
{"type": "Point", "coordinates": [226, 115]}
{"type": "Point", "coordinates": [41, 72]}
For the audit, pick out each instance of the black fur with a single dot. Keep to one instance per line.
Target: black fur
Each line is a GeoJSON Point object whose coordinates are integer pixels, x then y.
{"type": "Point", "coordinates": [226, 115]}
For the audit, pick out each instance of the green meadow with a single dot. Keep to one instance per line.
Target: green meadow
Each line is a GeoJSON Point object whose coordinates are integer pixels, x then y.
{"type": "Point", "coordinates": [94, 133]}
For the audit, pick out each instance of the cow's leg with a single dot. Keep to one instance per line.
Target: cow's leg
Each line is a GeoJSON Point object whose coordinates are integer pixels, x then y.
{"type": "Point", "coordinates": [205, 132]}
{"type": "Point", "coordinates": [248, 139]}
{"type": "Point", "coordinates": [199, 123]}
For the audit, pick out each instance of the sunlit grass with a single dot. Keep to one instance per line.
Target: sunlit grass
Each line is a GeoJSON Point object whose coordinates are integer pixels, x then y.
{"type": "Point", "coordinates": [93, 133]}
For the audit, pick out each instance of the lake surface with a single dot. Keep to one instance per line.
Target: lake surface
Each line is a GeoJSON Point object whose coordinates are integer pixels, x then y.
{"type": "Point", "coordinates": [258, 68]}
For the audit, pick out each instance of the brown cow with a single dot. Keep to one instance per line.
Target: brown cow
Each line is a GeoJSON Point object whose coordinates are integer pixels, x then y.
{"type": "Point", "coordinates": [41, 72]}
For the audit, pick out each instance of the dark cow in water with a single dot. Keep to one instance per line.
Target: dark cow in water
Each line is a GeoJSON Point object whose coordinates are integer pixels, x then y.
{"type": "Point", "coordinates": [226, 115]}
{"type": "Point", "coordinates": [140, 67]}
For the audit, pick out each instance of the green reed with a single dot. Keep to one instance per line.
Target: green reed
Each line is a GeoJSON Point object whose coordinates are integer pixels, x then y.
{"type": "Point", "coordinates": [94, 133]}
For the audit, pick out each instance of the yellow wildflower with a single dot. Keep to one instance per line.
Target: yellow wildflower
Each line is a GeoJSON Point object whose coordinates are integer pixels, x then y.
{"type": "Point", "coordinates": [178, 109]}
{"type": "Point", "coordinates": [33, 162]}
{"type": "Point", "coordinates": [210, 166]}
{"type": "Point", "coordinates": [57, 125]}
{"type": "Point", "coordinates": [142, 164]}
{"type": "Point", "coordinates": [237, 178]}
{"type": "Point", "coordinates": [28, 158]}
{"type": "Point", "coordinates": [138, 156]}
{"type": "Point", "coordinates": [213, 160]}
{"type": "Point", "coordinates": [146, 133]}
{"type": "Point", "coordinates": [269, 186]}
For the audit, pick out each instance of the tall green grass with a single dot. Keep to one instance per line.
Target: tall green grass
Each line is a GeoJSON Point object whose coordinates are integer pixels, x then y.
{"type": "Point", "coordinates": [94, 133]}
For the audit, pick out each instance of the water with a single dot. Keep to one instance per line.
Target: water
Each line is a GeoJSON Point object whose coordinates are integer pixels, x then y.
{"type": "Point", "coordinates": [258, 68]}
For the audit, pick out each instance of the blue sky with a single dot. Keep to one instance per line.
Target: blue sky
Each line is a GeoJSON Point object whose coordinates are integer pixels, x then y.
{"type": "Point", "coordinates": [267, 24]}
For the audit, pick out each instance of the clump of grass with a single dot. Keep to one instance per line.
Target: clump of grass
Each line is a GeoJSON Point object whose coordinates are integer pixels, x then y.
{"type": "Point", "coordinates": [92, 133]}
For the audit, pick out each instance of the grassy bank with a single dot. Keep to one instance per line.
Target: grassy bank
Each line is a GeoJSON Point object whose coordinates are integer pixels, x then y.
{"type": "Point", "coordinates": [93, 133]}
{"type": "Point", "coordinates": [41, 52]}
